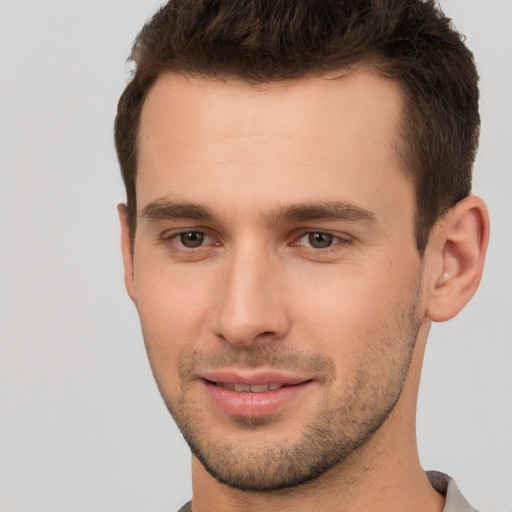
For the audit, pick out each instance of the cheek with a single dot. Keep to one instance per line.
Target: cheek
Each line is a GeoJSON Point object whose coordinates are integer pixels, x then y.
{"type": "Point", "coordinates": [369, 332]}
{"type": "Point", "coordinates": [173, 308]}
{"type": "Point", "coordinates": [344, 309]}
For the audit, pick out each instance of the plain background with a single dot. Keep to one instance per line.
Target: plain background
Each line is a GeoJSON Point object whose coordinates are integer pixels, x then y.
{"type": "Point", "coordinates": [82, 425]}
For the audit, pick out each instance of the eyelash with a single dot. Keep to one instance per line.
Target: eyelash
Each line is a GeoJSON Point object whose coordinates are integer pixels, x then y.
{"type": "Point", "coordinates": [175, 238]}
{"type": "Point", "coordinates": [335, 240]}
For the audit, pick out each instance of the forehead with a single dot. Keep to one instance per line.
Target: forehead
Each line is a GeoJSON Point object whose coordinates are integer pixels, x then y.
{"type": "Point", "coordinates": [291, 139]}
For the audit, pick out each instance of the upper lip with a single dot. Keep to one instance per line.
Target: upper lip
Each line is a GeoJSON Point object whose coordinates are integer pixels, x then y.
{"type": "Point", "coordinates": [253, 378]}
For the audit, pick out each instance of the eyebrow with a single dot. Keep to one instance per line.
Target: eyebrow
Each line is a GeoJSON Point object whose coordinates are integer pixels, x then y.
{"type": "Point", "coordinates": [331, 210]}
{"type": "Point", "coordinates": [163, 209]}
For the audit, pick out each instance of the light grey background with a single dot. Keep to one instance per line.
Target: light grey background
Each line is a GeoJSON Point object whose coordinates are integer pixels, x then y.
{"type": "Point", "coordinates": [82, 425]}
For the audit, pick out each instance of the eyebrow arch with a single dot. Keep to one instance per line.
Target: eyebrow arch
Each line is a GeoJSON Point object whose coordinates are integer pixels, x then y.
{"type": "Point", "coordinates": [163, 209]}
{"type": "Point", "coordinates": [324, 211]}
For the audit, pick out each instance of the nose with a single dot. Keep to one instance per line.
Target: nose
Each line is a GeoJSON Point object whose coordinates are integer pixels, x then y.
{"type": "Point", "coordinates": [253, 301]}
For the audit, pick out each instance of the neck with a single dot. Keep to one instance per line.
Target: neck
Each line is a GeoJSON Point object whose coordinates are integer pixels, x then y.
{"type": "Point", "coordinates": [384, 474]}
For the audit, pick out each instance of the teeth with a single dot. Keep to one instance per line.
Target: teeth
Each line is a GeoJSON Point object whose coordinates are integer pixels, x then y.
{"type": "Point", "coordinates": [254, 388]}
{"type": "Point", "coordinates": [258, 388]}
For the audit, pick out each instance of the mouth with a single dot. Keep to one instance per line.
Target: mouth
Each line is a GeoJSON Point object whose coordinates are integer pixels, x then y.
{"type": "Point", "coordinates": [254, 395]}
{"type": "Point", "coordinates": [251, 388]}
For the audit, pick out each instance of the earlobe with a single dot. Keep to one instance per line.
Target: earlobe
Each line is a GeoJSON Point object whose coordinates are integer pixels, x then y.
{"type": "Point", "coordinates": [457, 248]}
{"type": "Point", "coordinates": [126, 250]}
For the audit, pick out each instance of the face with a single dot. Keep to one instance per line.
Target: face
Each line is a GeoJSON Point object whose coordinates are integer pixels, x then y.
{"type": "Point", "coordinates": [274, 269]}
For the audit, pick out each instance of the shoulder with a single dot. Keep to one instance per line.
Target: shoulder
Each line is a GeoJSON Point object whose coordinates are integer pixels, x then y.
{"type": "Point", "coordinates": [185, 508]}
{"type": "Point", "coordinates": [445, 485]}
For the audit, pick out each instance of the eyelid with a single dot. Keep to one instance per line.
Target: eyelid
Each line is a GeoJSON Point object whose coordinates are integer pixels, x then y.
{"type": "Point", "coordinates": [172, 236]}
{"type": "Point", "coordinates": [341, 238]}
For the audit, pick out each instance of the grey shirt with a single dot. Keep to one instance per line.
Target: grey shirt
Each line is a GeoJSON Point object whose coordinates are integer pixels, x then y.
{"type": "Point", "coordinates": [446, 486]}
{"type": "Point", "coordinates": [442, 483]}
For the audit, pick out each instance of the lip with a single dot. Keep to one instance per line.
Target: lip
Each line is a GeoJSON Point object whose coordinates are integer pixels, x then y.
{"type": "Point", "coordinates": [251, 404]}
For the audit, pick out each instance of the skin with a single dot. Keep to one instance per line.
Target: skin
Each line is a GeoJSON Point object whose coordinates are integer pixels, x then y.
{"type": "Point", "coordinates": [254, 291]}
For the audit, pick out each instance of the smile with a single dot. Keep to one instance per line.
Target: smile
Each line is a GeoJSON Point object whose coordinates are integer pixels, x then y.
{"type": "Point", "coordinates": [254, 396]}
{"type": "Point", "coordinates": [250, 388]}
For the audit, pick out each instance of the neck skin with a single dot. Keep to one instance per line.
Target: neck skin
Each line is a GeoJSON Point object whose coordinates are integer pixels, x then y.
{"type": "Point", "coordinates": [384, 475]}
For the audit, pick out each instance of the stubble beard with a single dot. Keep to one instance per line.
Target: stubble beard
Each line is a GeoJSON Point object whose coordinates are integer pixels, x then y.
{"type": "Point", "coordinates": [340, 426]}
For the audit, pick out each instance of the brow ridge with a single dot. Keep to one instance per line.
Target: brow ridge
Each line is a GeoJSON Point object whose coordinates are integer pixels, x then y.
{"type": "Point", "coordinates": [162, 209]}
{"type": "Point", "coordinates": [331, 210]}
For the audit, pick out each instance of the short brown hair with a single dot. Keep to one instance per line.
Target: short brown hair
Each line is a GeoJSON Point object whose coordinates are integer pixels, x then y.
{"type": "Point", "coordinates": [410, 41]}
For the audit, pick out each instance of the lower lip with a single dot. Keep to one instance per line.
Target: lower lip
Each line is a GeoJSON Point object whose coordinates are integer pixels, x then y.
{"type": "Point", "coordinates": [254, 405]}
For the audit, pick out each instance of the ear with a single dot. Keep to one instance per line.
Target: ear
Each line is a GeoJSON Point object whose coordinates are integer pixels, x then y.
{"type": "Point", "coordinates": [456, 251]}
{"type": "Point", "coordinates": [126, 250]}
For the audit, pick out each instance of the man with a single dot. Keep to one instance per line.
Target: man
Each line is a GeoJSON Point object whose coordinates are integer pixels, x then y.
{"type": "Point", "coordinates": [298, 213]}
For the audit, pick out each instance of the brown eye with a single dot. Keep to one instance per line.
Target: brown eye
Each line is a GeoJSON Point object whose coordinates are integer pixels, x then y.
{"type": "Point", "coordinates": [319, 240]}
{"type": "Point", "coordinates": [192, 239]}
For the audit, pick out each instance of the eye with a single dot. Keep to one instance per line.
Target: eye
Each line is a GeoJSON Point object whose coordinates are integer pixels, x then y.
{"type": "Point", "coordinates": [189, 245]}
{"type": "Point", "coordinates": [192, 239]}
{"type": "Point", "coordinates": [318, 240]}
